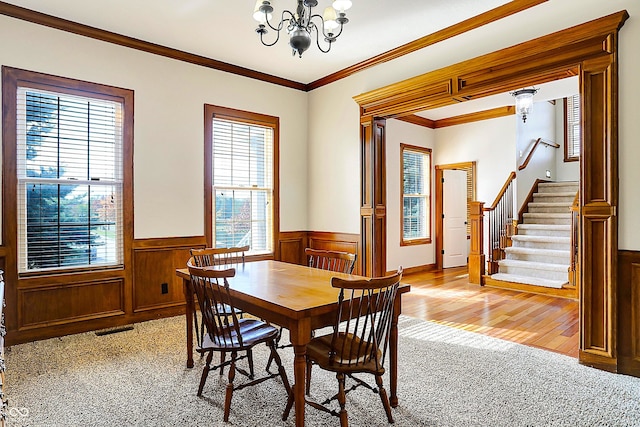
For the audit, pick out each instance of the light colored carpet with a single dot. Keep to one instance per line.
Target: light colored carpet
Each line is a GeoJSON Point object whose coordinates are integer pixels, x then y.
{"type": "Point", "coordinates": [447, 377]}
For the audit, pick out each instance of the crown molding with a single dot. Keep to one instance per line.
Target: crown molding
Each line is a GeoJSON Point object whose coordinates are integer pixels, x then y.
{"type": "Point", "coordinates": [51, 21]}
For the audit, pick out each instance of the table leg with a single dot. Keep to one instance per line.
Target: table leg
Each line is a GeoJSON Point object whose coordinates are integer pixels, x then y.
{"type": "Point", "coordinates": [299, 372]}
{"type": "Point", "coordinates": [188, 295]}
{"type": "Point", "coordinates": [393, 356]}
{"type": "Point", "coordinates": [300, 336]}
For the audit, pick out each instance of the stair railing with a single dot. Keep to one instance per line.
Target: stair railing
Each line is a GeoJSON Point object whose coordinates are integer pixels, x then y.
{"type": "Point", "coordinates": [539, 141]}
{"type": "Point", "coordinates": [500, 224]}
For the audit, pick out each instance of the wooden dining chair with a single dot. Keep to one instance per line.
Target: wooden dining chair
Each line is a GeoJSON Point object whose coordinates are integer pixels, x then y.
{"type": "Point", "coordinates": [358, 343]}
{"type": "Point", "coordinates": [219, 257]}
{"type": "Point", "coordinates": [342, 262]}
{"type": "Point", "coordinates": [226, 332]}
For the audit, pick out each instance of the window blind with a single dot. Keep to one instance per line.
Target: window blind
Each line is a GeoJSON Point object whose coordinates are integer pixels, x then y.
{"type": "Point", "coordinates": [242, 185]}
{"type": "Point", "coordinates": [416, 185]}
{"type": "Point", "coordinates": [573, 127]}
{"type": "Point", "coordinates": [69, 170]}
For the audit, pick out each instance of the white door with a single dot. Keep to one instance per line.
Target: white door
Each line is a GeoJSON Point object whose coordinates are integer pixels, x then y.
{"type": "Point", "coordinates": [454, 223]}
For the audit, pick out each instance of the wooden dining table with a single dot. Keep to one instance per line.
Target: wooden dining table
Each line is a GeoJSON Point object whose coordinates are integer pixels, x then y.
{"type": "Point", "coordinates": [298, 298]}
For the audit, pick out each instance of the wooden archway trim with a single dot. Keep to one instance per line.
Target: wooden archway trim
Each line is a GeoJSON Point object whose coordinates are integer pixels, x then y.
{"type": "Point", "coordinates": [552, 57]}
{"type": "Point", "coordinates": [588, 50]}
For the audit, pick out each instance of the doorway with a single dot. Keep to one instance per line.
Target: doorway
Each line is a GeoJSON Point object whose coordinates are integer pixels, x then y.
{"type": "Point", "coordinates": [559, 55]}
{"type": "Point", "coordinates": [469, 170]}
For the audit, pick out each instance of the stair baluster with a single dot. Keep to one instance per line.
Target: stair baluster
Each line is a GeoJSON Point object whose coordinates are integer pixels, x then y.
{"type": "Point", "coordinates": [500, 216]}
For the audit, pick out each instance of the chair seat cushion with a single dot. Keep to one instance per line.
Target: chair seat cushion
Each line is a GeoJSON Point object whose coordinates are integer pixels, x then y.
{"type": "Point", "coordinates": [253, 332]}
{"type": "Point", "coordinates": [351, 354]}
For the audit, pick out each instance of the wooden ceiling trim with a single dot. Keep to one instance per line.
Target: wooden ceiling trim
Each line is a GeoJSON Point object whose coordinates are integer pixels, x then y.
{"type": "Point", "coordinates": [493, 113]}
{"type": "Point", "coordinates": [485, 18]}
{"type": "Point", "coordinates": [133, 43]}
{"type": "Point", "coordinates": [550, 57]}
{"type": "Point", "coordinates": [417, 120]}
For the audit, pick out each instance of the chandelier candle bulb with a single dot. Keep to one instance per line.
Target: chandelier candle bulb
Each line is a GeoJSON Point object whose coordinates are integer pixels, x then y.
{"type": "Point", "coordinates": [342, 5]}
{"type": "Point", "coordinates": [330, 23]}
{"type": "Point", "coordinates": [262, 14]}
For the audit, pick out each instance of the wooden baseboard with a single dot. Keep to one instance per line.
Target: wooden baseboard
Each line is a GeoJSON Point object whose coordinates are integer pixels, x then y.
{"type": "Point", "coordinates": [569, 293]}
{"type": "Point", "coordinates": [416, 269]}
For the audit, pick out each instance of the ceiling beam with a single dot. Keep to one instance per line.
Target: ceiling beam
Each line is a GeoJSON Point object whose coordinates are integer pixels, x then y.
{"type": "Point", "coordinates": [493, 113]}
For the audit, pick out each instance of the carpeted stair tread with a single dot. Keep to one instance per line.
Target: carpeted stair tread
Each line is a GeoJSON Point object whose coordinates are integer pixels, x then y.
{"type": "Point", "coordinates": [549, 227]}
{"type": "Point", "coordinates": [548, 204]}
{"type": "Point", "coordinates": [514, 278]}
{"type": "Point", "coordinates": [547, 215]}
{"type": "Point", "coordinates": [541, 239]}
{"type": "Point", "coordinates": [533, 265]}
{"type": "Point", "coordinates": [536, 251]}
{"type": "Point", "coordinates": [555, 194]}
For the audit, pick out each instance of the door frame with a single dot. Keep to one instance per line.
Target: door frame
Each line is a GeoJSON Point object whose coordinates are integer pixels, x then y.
{"type": "Point", "coordinates": [469, 167]}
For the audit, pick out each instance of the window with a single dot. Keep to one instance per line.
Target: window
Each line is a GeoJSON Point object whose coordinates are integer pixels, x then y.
{"type": "Point", "coordinates": [69, 180]}
{"type": "Point", "coordinates": [242, 167]}
{"type": "Point", "coordinates": [415, 184]}
{"type": "Point", "coordinates": [572, 128]}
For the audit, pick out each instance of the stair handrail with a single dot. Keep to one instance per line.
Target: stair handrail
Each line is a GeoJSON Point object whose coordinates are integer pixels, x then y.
{"type": "Point", "coordinates": [502, 191]}
{"type": "Point", "coordinates": [533, 149]}
{"type": "Point", "coordinates": [500, 224]}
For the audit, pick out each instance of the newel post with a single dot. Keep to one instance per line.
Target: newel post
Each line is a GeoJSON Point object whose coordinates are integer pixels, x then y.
{"type": "Point", "coordinates": [476, 255]}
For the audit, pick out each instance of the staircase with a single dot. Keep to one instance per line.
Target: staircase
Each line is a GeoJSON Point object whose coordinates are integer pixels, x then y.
{"type": "Point", "coordinates": [541, 249]}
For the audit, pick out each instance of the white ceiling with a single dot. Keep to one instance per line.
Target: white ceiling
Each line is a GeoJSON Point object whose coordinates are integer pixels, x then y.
{"type": "Point", "coordinates": [225, 30]}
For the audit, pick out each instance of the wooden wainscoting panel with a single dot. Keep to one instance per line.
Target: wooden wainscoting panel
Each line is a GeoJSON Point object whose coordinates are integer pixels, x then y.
{"type": "Point", "coordinates": [155, 282]}
{"type": "Point", "coordinates": [292, 244]}
{"type": "Point", "coordinates": [328, 241]}
{"type": "Point", "coordinates": [170, 242]}
{"type": "Point", "coordinates": [629, 312]}
{"type": "Point", "coordinates": [60, 303]}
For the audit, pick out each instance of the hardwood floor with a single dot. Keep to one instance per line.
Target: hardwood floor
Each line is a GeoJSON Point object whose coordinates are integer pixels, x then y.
{"type": "Point", "coordinates": [447, 297]}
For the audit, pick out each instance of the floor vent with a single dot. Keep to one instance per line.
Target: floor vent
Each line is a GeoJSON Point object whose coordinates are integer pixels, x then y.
{"type": "Point", "coordinates": [115, 330]}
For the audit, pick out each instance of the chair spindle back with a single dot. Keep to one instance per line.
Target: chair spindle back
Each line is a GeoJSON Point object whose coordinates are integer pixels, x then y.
{"type": "Point", "coordinates": [342, 262]}
{"type": "Point", "coordinates": [211, 286]}
{"type": "Point", "coordinates": [361, 331]}
{"type": "Point", "coordinates": [219, 256]}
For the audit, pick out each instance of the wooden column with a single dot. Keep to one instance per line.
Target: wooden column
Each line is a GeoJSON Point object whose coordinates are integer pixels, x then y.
{"type": "Point", "coordinates": [476, 251]}
{"type": "Point", "coordinates": [599, 200]}
{"type": "Point", "coordinates": [373, 217]}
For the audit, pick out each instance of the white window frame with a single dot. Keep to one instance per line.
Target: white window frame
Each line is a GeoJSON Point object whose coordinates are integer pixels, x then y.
{"type": "Point", "coordinates": [425, 195]}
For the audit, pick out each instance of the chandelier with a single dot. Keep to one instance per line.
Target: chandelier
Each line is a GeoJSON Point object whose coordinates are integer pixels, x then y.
{"type": "Point", "coordinates": [524, 102]}
{"type": "Point", "coordinates": [301, 26]}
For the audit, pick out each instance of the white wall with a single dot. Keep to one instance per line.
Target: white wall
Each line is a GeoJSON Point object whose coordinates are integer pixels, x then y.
{"type": "Point", "coordinates": [546, 18]}
{"type": "Point", "coordinates": [541, 123]}
{"type": "Point", "coordinates": [399, 132]}
{"type": "Point", "coordinates": [169, 121]}
{"type": "Point", "coordinates": [490, 143]}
